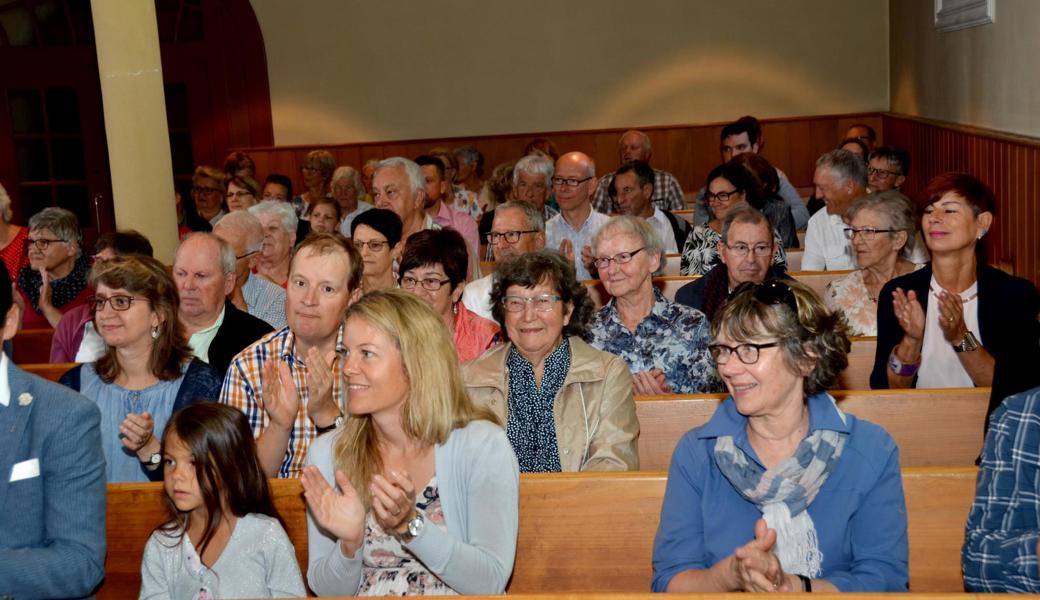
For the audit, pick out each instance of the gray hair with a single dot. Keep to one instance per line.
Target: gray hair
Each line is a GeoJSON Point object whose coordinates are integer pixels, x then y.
{"type": "Point", "coordinates": [227, 253]}
{"type": "Point", "coordinates": [467, 154]}
{"type": "Point", "coordinates": [897, 210]}
{"type": "Point", "coordinates": [415, 174]}
{"type": "Point", "coordinates": [845, 165]}
{"type": "Point", "coordinates": [351, 174]}
{"type": "Point", "coordinates": [283, 210]}
{"type": "Point", "coordinates": [5, 205]}
{"type": "Point", "coordinates": [247, 225]}
{"type": "Point", "coordinates": [642, 137]}
{"type": "Point", "coordinates": [534, 164]}
{"type": "Point", "coordinates": [742, 212]}
{"type": "Point", "coordinates": [535, 218]}
{"type": "Point", "coordinates": [636, 226]}
{"type": "Point", "coordinates": [323, 160]}
{"type": "Point", "coordinates": [61, 222]}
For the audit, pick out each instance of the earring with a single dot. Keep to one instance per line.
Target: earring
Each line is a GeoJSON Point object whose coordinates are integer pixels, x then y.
{"type": "Point", "coordinates": [155, 333]}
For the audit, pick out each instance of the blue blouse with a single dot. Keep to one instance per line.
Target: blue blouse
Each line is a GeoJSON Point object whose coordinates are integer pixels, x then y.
{"type": "Point", "coordinates": [859, 513]}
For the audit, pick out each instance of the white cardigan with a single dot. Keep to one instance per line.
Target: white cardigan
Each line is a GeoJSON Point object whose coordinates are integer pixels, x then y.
{"type": "Point", "coordinates": [479, 484]}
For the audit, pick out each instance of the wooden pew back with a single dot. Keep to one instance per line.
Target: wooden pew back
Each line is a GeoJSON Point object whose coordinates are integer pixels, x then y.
{"type": "Point", "coordinates": [932, 428]}
{"type": "Point", "coordinates": [32, 346]}
{"type": "Point", "coordinates": [49, 371]}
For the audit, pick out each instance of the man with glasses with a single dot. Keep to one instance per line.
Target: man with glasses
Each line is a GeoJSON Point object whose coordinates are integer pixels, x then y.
{"type": "Point", "coordinates": [746, 254]}
{"type": "Point", "coordinates": [570, 231]}
{"type": "Point", "coordinates": [887, 167]}
{"type": "Point", "coordinates": [633, 188]}
{"type": "Point", "coordinates": [667, 193]}
{"type": "Point", "coordinates": [864, 133]}
{"type": "Point", "coordinates": [517, 229]}
{"type": "Point", "coordinates": [252, 293]}
{"type": "Point", "coordinates": [207, 193]}
{"type": "Point", "coordinates": [204, 272]}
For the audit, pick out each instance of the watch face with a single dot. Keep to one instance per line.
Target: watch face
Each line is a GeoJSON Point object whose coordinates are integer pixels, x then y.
{"type": "Point", "coordinates": [155, 459]}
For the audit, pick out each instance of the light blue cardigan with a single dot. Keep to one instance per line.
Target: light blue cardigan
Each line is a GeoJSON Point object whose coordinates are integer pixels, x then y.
{"type": "Point", "coordinates": [479, 483]}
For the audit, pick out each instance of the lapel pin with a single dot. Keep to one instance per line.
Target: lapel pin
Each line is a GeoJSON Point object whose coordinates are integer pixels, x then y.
{"type": "Point", "coordinates": [24, 399]}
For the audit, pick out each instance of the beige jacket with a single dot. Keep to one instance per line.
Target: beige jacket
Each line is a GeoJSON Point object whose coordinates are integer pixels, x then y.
{"type": "Point", "coordinates": [595, 415]}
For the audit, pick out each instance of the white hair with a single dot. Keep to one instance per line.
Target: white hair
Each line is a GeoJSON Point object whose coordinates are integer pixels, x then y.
{"type": "Point", "coordinates": [411, 169]}
{"type": "Point", "coordinates": [534, 164]}
{"type": "Point", "coordinates": [246, 224]}
{"type": "Point", "coordinates": [283, 210]}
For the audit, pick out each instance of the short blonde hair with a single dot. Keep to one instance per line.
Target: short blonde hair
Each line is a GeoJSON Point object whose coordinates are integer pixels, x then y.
{"type": "Point", "coordinates": [437, 402]}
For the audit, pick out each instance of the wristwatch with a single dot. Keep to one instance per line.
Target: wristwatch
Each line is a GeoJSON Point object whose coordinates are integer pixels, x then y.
{"type": "Point", "coordinates": [153, 460]}
{"type": "Point", "coordinates": [969, 343]}
{"type": "Point", "coordinates": [328, 428]}
{"type": "Point", "coordinates": [900, 368]}
{"type": "Point", "coordinates": [412, 531]}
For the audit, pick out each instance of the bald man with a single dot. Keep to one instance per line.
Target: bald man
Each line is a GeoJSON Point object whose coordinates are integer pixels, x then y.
{"type": "Point", "coordinates": [635, 145]}
{"type": "Point", "coordinates": [571, 231]}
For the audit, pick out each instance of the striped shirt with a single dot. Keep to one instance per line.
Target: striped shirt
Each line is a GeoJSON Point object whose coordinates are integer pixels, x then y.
{"type": "Point", "coordinates": [243, 390]}
{"type": "Point", "coordinates": [668, 194]}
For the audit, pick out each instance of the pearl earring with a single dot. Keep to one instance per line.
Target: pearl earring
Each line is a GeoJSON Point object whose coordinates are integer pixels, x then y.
{"type": "Point", "coordinates": [155, 333]}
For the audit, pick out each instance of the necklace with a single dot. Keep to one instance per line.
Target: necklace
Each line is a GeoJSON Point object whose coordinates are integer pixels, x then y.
{"type": "Point", "coordinates": [963, 299]}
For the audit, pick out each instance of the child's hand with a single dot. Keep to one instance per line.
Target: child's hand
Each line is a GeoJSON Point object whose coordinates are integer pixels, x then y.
{"type": "Point", "coordinates": [340, 513]}
{"type": "Point", "coordinates": [393, 500]}
{"type": "Point", "coordinates": [280, 399]}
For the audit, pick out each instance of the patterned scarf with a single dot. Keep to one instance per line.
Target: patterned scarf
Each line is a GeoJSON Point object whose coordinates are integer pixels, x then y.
{"type": "Point", "coordinates": [63, 290]}
{"type": "Point", "coordinates": [784, 492]}
{"type": "Point", "coordinates": [531, 426]}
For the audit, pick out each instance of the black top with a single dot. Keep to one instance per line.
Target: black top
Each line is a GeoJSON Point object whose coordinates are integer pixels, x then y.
{"type": "Point", "coordinates": [239, 330]}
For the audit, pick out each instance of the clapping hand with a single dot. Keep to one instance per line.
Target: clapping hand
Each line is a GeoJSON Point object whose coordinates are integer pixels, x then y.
{"type": "Point", "coordinates": [280, 399]}
{"type": "Point", "coordinates": [951, 316]}
{"type": "Point", "coordinates": [340, 513]}
{"type": "Point", "coordinates": [758, 569]}
{"type": "Point", "coordinates": [909, 313]}
{"type": "Point", "coordinates": [321, 406]}
{"type": "Point", "coordinates": [650, 383]}
{"type": "Point", "coordinates": [393, 500]}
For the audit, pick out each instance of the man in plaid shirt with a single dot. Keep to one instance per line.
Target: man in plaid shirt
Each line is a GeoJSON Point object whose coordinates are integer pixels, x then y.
{"type": "Point", "coordinates": [299, 364]}
{"type": "Point", "coordinates": [1002, 535]}
{"type": "Point", "coordinates": [635, 145]}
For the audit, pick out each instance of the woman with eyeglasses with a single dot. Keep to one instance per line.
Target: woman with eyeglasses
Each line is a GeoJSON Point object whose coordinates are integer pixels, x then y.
{"type": "Point", "coordinates": [726, 186]}
{"type": "Point", "coordinates": [376, 234]}
{"type": "Point", "coordinates": [242, 192]}
{"type": "Point", "coordinates": [55, 280]}
{"type": "Point", "coordinates": [317, 170]}
{"type": "Point", "coordinates": [433, 267]}
{"type": "Point", "coordinates": [883, 234]}
{"type": "Point", "coordinates": [958, 322]}
{"type": "Point", "coordinates": [567, 406]}
{"type": "Point", "coordinates": [781, 491]}
{"type": "Point", "coordinates": [147, 371]}
{"type": "Point", "coordinates": [665, 344]}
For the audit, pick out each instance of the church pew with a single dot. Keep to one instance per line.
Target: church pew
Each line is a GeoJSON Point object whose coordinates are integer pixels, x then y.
{"type": "Point", "coordinates": [51, 371]}
{"type": "Point", "coordinates": [32, 346]}
{"type": "Point", "coordinates": [581, 532]}
{"type": "Point", "coordinates": [856, 376]}
{"type": "Point", "coordinates": [932, 428]}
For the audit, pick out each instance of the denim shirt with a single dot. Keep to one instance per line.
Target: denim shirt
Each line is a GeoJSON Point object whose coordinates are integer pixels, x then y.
{"type": "Point", "coordinates": [859, 513]}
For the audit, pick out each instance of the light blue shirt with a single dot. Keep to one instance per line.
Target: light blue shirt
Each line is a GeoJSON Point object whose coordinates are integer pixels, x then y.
{"type": "Point", "coordinates": [265, 300]}
{"type": "Point", "coordinates": [859, 513]}
{"type": "Point", "coordinates": [558, 229]}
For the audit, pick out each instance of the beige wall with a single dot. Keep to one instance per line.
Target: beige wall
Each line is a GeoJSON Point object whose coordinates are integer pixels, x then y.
{"type": "Point", "coordinates": [364, 70]}
{"type": "Point", "coordinates": [985, 76]}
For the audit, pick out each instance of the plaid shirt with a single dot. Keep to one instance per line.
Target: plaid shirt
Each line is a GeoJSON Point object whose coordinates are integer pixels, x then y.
{"type": "Point", "coordinates": [668, 194]}
{"type": "Point", "coordinates": [243, 390]}
{"type": "Point", "coordinates": [1003, 527]}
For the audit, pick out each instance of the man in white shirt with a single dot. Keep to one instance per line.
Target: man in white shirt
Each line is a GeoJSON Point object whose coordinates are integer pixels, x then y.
{"type": "Point", "coordinates": [571, 231]}
{"type": "Point", "coordinates": [840, 178]}
{"type": "Point", "coordinates": [633, 186]}
{"type": "Point", "coordinates": [517, 228]}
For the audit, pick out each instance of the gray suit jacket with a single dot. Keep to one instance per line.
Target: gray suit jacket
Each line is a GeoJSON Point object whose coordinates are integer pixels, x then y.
{"type": "Point", "coordinates": [52, 525]}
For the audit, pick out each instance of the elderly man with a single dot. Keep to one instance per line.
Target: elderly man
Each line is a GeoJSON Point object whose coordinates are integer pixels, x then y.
{"type": "Point", "coordinates": [635, 145]}
{"type": "Point", "coordinates": [517, 228]}
{"type": "Point", "coordinates": [438, 207]}
{"type": "Point", "coordinates": [571, 231]}
{"type": "Point", "coordinates": [279, 222]}
{"type": "Point", "coordinates": [398, 184]}
{"type": "Point", "coordinates": [746, 252]}
{"type": "Point", "coordinates": [737, 138]}
{"type": "Point", "coordinates": [299, 365]}
{"type": "Point", "coordinates": [252, 293]}
{"type": "Point", "coordinates": [887, 168]}
{"type": "Point", "coordinates": [207, 192]}
{"type": "Point", "coordinates": [840, 178]}
{"type": "Point", "coordinates": [204, 272]}
{"type": "Point", "coordinates": [532, 183]}
{"type": "Point", "coordinates": [633, 187]}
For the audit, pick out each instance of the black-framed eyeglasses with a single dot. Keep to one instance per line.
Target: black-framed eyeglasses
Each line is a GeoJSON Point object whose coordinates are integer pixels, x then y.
{"type": "Point", "coordinates": [866, 233]}
{"type": "Point", "coordinates": [118, 302]}
{"type": "Point", "coordinates": [882, 172]}
{"type": "Point", "coordinates": [569, 181]}
{"type": "Point", "coordinates": [541, 303]}
{"type": "Point", "coordinates": [198, 189]}
{"type": "Point", "coordinates": [721, 196]}
{"type": "Point", "coordinates": [620, 258]}
{"type": "Point", "coordinates": [408, 282]}
{"type": "Point", "coordinates": [770, 292]}
{"type": "Point", "coordinates": [373, 245]}
{"type": "Point", "coordinates": [747, 353]}
{"type": "Point", "coordinates": [246, 255]}
{"type": "Point", "coordinates": [511, 237]}
{"type": "Point", "coordinates": [41, 243]}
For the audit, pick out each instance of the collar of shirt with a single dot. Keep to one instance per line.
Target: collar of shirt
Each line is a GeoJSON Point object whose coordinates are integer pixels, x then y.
{"type": "Point", "coordinates": [446, 215]}
{"type": "Point", "coordinates": [288, 349]}
{"type": "Point", "coordinates": [589, 221]}
{"type": "Point", "coordinates": [5, 389]}
{"type": "Point", "coordinates": [660, 310]}
{"type": "Point", "coordinates": [823, 414]}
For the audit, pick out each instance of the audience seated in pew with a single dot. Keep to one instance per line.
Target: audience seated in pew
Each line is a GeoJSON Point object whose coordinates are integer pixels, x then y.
{"type": "Point", "coordinates": [632, 186]}
{"type": "Point", "coordinates": [517, 228]}
{"type": "Point", "coordinates": [318, 167]}
{"type": "Point", "coordinates": [780, 491]}
{"type": "Point", "coordinates": [207, 199]}
{"type": "Point", "coordinates": [635, 146]}
{"type": "Point", "coordinates": [438, 207]}
{"type": "Point", "coordinates": [958, 322]}
{"type": "Point", "coordinates": [887, 168]}
{"type": "Point", "coordinates": [147, 371]}
{"type": "Point", "coordinates": [571, 231]}
{"type": "Point", "coordinates": [377, 236]}
{"type": "Point", "coordinates": [280, 226]}
{"type": "Point", "coordinates": [252, 293]}
{"type": "Point", "coordinates": [55, 280]}
{"type": "Point", "coordinates": [12, 237]}
{"type": "Point", "coordinates": [566, 406]}
{"type": "Point", "coordinates": [348, 192]}
{"type": "Point", "coordinates": [664, 344]}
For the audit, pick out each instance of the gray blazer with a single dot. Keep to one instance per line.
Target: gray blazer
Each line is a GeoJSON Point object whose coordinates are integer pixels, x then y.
{"type": "Point", "coordinates": [52, 524]}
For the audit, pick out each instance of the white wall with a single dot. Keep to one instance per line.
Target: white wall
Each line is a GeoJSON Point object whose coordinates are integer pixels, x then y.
{"type": "Point", "coordinates": [363, 70]}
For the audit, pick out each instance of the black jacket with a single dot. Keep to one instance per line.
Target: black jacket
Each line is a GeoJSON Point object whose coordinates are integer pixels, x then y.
{"type": "Point", "coordinates": [239, 330]}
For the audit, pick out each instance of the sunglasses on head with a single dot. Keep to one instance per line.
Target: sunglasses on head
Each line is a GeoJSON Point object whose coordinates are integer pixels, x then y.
{"type": "Point", "coordinates": [770, 292]}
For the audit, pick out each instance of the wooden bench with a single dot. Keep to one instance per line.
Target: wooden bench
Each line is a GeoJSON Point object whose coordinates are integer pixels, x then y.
{"type": "Point", "coordinates": [856, 376]}
{"type": "Point", "coordinates": [582, 532]}
{"type": "Point", "coordinates": [32, 346]}
{"type": "Point", "coordinates": [817, 280]}
{"type": "Point", "coordinates": [51, 371]}
{"type": "Point", "coordinates": [931, 427]}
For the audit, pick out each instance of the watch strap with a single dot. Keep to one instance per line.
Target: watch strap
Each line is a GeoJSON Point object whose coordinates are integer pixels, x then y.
{"type": "Point", "coordinates": [900, 368]}
{"type": "Point", "coordinates": [328, 428]}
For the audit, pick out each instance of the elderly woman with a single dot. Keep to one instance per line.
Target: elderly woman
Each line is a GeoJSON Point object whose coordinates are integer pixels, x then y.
{"type": "Point", "coordinates": [665, 344]}
{"type": "Point", "coordinates": [882, 230]}
{"type": "Point", "coordinates": [12, 237]}
{"type": "Point", "coordinates": [242, 192]}
{"type": "Point", "coordinates": [348, 191]}
{"type": "Point", "coordinates": [417, 493]}
{"type": "Point", "coordinates": [317, 170]}
{"type": "Point", "coordinates": [958, 322]}
{"type": "Point", "coordinates": [727, 185]}
{"type": "Point", "coordinates": [781, 491]}
{"type": "Point", "coordinates": [471, 167]}
{"type": "Point", "coordinates": [377, 236]}
{"type": "Point", "coordinates": [433, 267]}
{"type": "Point", "coordinates": [279, 222]}
{"type": "Point", "coordinates": [146, 373]}
{"type": "Point", "coordinates": [567, 406]}
{"type": "Point", "coordinates": [325, 216]}
{"type": "Point", "coordinates": [55, 280]}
